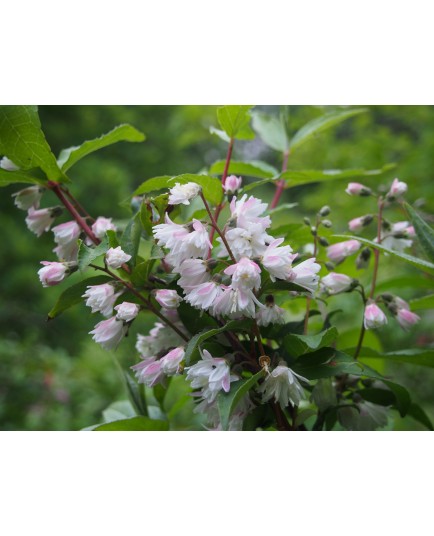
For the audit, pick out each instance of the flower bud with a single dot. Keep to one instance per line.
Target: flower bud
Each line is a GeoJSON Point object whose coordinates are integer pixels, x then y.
{"type": "Point", "coordinates": [362, 260]}
{"type": "Point", "coordinates": [333, 283]}
{"type": "Point", "coordinates": [374, 316]}
{"type": "Point", "coordinates": [358, 223]}
{"type": "Point", "coordinates": [52, 273]}
{"type": "Point", "coordinates": [327, 224]}
{"type": "Point", "coordinates": [355, 188]}
{"type": "Point", "coordinates": [325, 211]}
{"type": "Point", "coordinates": [323, 241]}
{"type": "Point", "coordinates": [116, 257]}
{"type": "Point", "coordinates": [338, 252]}
{"type": "Point", "coordinates": [397, 190]}
{"type": "Point", "coordinates": [232, 184]}
{"type": "Point", "coordinates": [101, 226]}
{"type": "Point", "coordinates": [40, 221]}
{"type": "Point", "coordinates": [306, 221]}
{"type": "Point", "coordinates": [183, 193]}
{"type": "Point", "coordinates": [406, 318]}
{"type": "Point", "coordinates": [127, 311]}
{"type": "Point", "coordinates": [169, 299]}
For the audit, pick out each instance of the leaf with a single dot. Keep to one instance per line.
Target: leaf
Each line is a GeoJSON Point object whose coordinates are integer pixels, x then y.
{"type": "Point", "coordinates": [297, 345]}
{"type": "Point", "coordinates": [419, 415]}
{"type": "Point", "coordinates": [425, 302]}
{"type": "Point", "coordinates": [426, 266]}
{"type": "Point", "coordinates": [192, 347]}
{"type": "Point", "coordinates": [320, 124]}
{"type": "Point", "coordinates": [135, 394]}
{"type": "Point", "coordinates": [423, 232]}
{"type": "Point", "coordinates": [211, 186]}
{"type": "Point", "coordinates": [130, 239]}
{"type": "Point", "coordinates": [402, 396]}
{"type": "Point", "coordinates": [69, 157]}
{"type": "Point", "coordinates": [325, 363]}
{"type": "Point", "coordinates": [415, 356]}
{"type": "Point", "coordinates": [271, 130]}
{"type": "Point", "coordinates": [73, 295]}
{"type": "Point", "coordinates": [234, 120]}
{"type": "Point", "coordinates": [23, 142]}
{"type": "Point", "coordinates": [382, 397]}
{"type": "Point", "coordinates": [140, 273]}
{"type": "Point", "coordinates": [254, 168]}
{"type": "Point", "coordinates": [282, 286]}
{"type": "Point", "coordinates": [194, 319]}
{"type": "Point", "coordinates": [220, 133]}
{"type": "Point", "coordinates": [295, 177]}
{"type": "Point", "coordinates": [87, 254]}
{"type": "Point", "coordinates": [140, 423]}
{"type": "Point", "coordinates": [118, 410]}
{"type": "Point", "coordinates": [12, 177]}
{"type": "Point", "coordinates": [227, 402]}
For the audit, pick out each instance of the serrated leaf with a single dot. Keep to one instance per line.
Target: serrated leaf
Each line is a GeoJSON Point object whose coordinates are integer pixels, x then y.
{"type": "Point", "coordinates": [23, 142]}
{"type": "Point", "coordinates": [297, 345]}
{"type": "Point", "coordinates": [271, 130]}
{"type": "Point", "coordinates": [319, 124]}
{"type": "Point", "coordinates": [69, 157]}
{"type": "Point", "coordinates": [254, 168]}
{"type": "Point", "coordinates": [234, 120]}
{"type": "Point", "coordinates": [426, 266]}
{"type": "Point", "coordinates": [73, 295]}
{"type": "Point", "coordinates": [227, 402]}
{"type": "Point", "coordinates": [133, 424]}
{"type": "Point", "coordinates": [16, 177]}
{"type": "Point", "coordinates": [423, 231]}
{"type": "Point", "coordinates": [87, 254]}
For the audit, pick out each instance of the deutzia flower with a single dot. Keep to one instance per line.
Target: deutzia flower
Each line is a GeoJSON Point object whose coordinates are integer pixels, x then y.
{"type": "Point", "coordinates": [338, 252]}
{"type": "Point", "coordinates": [101, 226]}
{"type": "Point", "coordinates": [283, 385]}
{"type": "Point", "coordinates": [116, 257]}
{"type": "Point", "coordinates": [127, 311]}
{"type": "Point", "coordinates": [355, 188]}
{"type": "Point", "coordinates": [193, 273]}
{"type": "Point", "coordinates": [211, 374]}
{"type": "Point", "coordinates": [169, 234]}
{"type": "Point", "coordinates": [404, 316]}
{"type": "Point", "coordinates": [304, 274]}
{"type": "Point", "coordinates": [271, 313]}
{"type": "Point", "coordinates": [29, 197]}
{"type": "Point", "coordinates": [204, 295]}
{"type": "Point", "coordinates": [65, 236]}
{"type": "Point", "coordinates": [246, 211]}
{"type": "Point", "coordinates": [8, 165]}
{"type": "Point", "coordinates": [278, 260]}
{"type": "Point", "coordinates": [170, 362]}
{"type": "Point", "coordinates": [194, 244]}
{"type": "Point", "coordinates": [169, 299]}
{"type": "Point", "coordinates": [357, 224]}
{"type": "Point", "coordinates": [183, 193]}
{"type": "Point", "coordinates": [40, 221]}
{"type": "Point", "coordinates": [397, 238]}
{"type": "Point", "coordinates": [161, 337]}
{"type": "Point", "coordinates": [109, 333]}
{"type": "Point", "coordinates": [235, 302]}
{"type": "Point", "coordinates": [232, 184]}
{"type": "Point", "coordinates": [101, 298]}
{"type": "Point", "coordinates": [333, 283]}
{"type": "Point", "coordinates": [245, 274]}
{"type": "Point", "coordinates": [250, 242]}
{"type": "Point", "coordinates": [374, 316]}
{"type": "Point", "coordinates": [149, 372]}
{"type": "Point", "coordinates": [397, 189]}
{"type": "Point", "coordinates": [52, 273]}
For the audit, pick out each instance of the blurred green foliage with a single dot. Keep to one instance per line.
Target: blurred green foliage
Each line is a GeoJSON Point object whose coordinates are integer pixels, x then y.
{"type": "Point", "coordinates": [52, 375]}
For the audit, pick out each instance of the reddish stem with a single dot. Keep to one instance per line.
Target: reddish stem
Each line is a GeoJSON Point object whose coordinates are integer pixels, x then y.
{"type": "Point", "coordinates": [280, 184]}
{"type": "Point", "coordinates": [377, 251]}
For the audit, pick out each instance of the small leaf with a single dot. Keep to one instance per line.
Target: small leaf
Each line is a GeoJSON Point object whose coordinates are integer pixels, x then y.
{"type": "Point", "coordinates": [135, 394]}
{"type": "Point", "coordinates": [227, 402]}
{"type": "Point", "coordinates": [13, 177]}
{"type": "Point", "coordinates": [23, 142]}
{"type": "Point", "coordinates": [69, 157]}
{"type": "Point", "coordinates": [415, 356]}
{"type": "Point", "coordinates": [73, 295]}
{"type": "Point", "coordinates": [234, 120]}
{"type": "Point", "coordinates": [297, 345]}
{"type": "Point", "coordinates": [87, 254]}
{"type": "Point", "coordinates": [140, 423]}
{"type": "Point", "coordinates": [220, 133]}
{"type": "Point", "coordinates": [122, 409]}
{"type": "Point", "coordinates": [419, 415]}
{"type": "Point", "coordinates": [320, 124]}
{"type": "Point", "coordinates": [254, 168]}
{"type": "Point", "coordinates": [130, 239]}
{"type": "Point", "coordinates": [193, 318]}
{"type": "Point", "coordinates": [423, 265]}
{"type": "Point", "coordinates": [271, 130]}
{"type": "Point", "coordinates": [425, 302]}
{"type": "Point", "coordinates": [325, 363]}
{"type": "Point", "coordinates": [423, 232]}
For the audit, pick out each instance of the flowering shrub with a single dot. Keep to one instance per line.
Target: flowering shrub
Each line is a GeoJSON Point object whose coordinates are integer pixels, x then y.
{"type": "Point", "coordinates": [202, 254]}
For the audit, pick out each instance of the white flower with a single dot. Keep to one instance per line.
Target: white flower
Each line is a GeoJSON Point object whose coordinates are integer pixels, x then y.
{"type": "Point", "coordinates": [171, 361]}
{"type": "Point", "coordinates": [116, 257]}
{"type": "Point", "coordinates": [250, 242]}
{"type": "Point", "coordinates": [232, 184]}
{"type": "Point", "coordinates": [169, 234]}
{"type": "Point", "coordinates": [65, 236]}
{"type": "Point", "coordinates": [333, 283]}
{"type": "Point", "coordinates": [193, 273]}
{"type": "Point", "coordinates": [27, 198]}
{"type": "Point", "coordinates": [304, 274]}
{"type": "Point", "coordinates": [182, 193]}
{"type": "Point", "coordinates": [52, 273]}
{"type": "Point", "coordinates": [270, 314]}
{"type": "Point", "coordinates": [109, 333]}
{"type": "Point", "coordinates": [40, 221]}
{"type": "Point", "coordinates": [127, 311]}
{"type": "Point", "coordinates": [246, 211]}
{"type": "Point", "coordinates": [8, 165]}
{"type": "Point", "coordinates": [235, 302]}
{"type": "Point", "coordinates": [212, 375]}
{"type": "Point", "coordinates": [397, 189]}
{"type": "Point", "coordinates": [245, 274]}
{"type": "Point", "coordinates": [194, 244]}
{"type": "Point", "coordinates": [169, 299]}
{"type": "Point", "coordinates": [374, 316]}
{"type": "Point", "coordinates": [282, 384]}
{"type": "Point", "coordinates": [101, 298]}
{"type": "Point", "coordinates": [149, 372]}
{"type": "Point", "coordinates": [338, 252]}
{"type": "Point", "coordinates": [397, 237]}
{"type": "Point", "coordinates": [161, 337]}
{"type": "Point", "coordinates": [355, 188]}
{"type": "Point", "coordinates": [204, 295]}
{"type": "Point", "coordinates": [278, 260]}
{"type": "Point", "coordinates": [101, 226]}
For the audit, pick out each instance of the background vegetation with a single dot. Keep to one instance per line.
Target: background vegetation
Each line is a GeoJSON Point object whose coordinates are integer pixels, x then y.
{"type": "Point", "coordinates": [52, 375]}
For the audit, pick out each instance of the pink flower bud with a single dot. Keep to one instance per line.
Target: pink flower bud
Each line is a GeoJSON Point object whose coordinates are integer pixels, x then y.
{"type": "Point", "coordinates": [101, 226]}
{"type": "Point", "coordinates": [101, 298]}
{"type": "Point", "coordinates": [116, 257]}
{"type": "Point", "coordinates": [355, 188]}
{"type": "Point", "coordinates": [28, 198]}
{"type": "Point", "coordinates": [171, 361]}
{"type": "Point", "coordinates": [52, 273]}
{"type": "Point", "coordinates": [358, 223]}
{"type": "Point", "coordinates": [65, 236]}
{"type": "Point", "coordinates": [334, 283]}
{"type": "Point", "coordinates": [406, 318]}
{"type": "Point", "coordinates": [397, 189]}
{"type": "Point", "coordinates": [127, 311]}
{"type": "Point", "coordinates": [40, 221]}
{"type": "Point", "coordinates": [374, 317]}
{"type": "Point", "coordinates": [232, 184]}
{"type": "Point", "coordinates": [338, 252]}
{"type": "Point", "coordinates": [169, 299]}
{"type": "Point", "coordinates": [109, 333]}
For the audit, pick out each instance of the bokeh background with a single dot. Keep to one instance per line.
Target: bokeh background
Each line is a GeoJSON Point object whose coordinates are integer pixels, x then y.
{"type": "Point", "coordinates": [52, 375]}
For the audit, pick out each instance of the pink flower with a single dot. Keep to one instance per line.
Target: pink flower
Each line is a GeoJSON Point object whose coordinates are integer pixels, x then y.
{"type": "Point", "coordinates": [52, 273]}
{"type": "Point", "coordinates": [270, 314]}
{"type": "Point", "coordinates": [374, 316]}
{"type": "Point", "coordinates": [149, 372]}
{"type": "Point", "coordinates": [194, 244]}
{"type": "Point", "coordinates": [278, 260]}
{"type": "Point", "coordinates": [169, 299]}
{"type": "Point", "coordinates": [304, 274]}
{"type": "Point", "coordinates": [109, 333]}
{"type": "Point", "coordinates": [245, 242]}
{"type": "Point", "coordinates": [127, 311]}
{"type": "Point", "coordinates": [183, 193]}
{"type": "Point", "coordinates": [65, 236]}
{"type": "Point", "coordinates": [204, 295]}
{"type": "Point", "coordinates": [406, 318]}
{"type": "Point", "coordinates": [245, 274]}
{"type": "Point", "coordinates": [397, 189]}
{"type": "Point", "coordinates": [101, 298]}
{"type": "Point", "coordinates": [355, 188]}
{"type": "Point", "coordinates": [28, 198]}
{"type": "Point", "coordinates": [235, 302]}
{"type": "Point", "coordinates": [101, 226]}
{"type": "Point", "coordinates": [358, 223]}
{"type": "Point", "coordinates": [116, 257]}
{"type": "Point", "coordinates": [171, 361]}
{"type": "Point", "coordinates": [40, 221]}
{"type": "Point", "coordinates": [193, 272]}
{"type": "Point", "coordinates": [283, 385]}
{"type": "Point", "coordinates": [333, 283]}
{"type": "Point", "coordinates": [232, 184]}
{"type": "Point", "coordinates": [169, 234]}
{"type": "Point", "coordinates": [338, 252]}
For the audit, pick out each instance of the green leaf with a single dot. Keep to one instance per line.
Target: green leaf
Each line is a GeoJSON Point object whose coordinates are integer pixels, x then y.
{"type": "Point", "coordinates": [398, 283]}
{"type": "Point", "coordinates": [325, 363]}
{"type": "Point", "coordinates": [69, 157]}
{"type": "Point", "coordinates": [295, 178]}
{"type": "Point", "coordinates": [134, 424]}
{"type": "Point", "coordinates": [320, 124]}
{"type": "Point", "coordinates": [271, 130]}
{"type": "Point", "coordinates": [118, 410]}
{"type": "Point", "coordinates": [423, 232]}
{"type": "Point", "coordinates": [135, 394]}
{"type": "Point", "coordinates": [220, 133]}
{"type": "Point", "coordinates": [227, 402]}
{"type": "Point", "coordinates": [12, 177]}
{"type": "Point", "coordinates": [423, 265]}
{"type": "Point", "coordinates": [87, 254]}
{"type": "Point", "coordinates": [415, 356]}
{"type": "Point", "coordinates": [130, 239]}
{"type": "Point", "coordinates": [140, 273]}
{"type": "Point", "coordinates": [234, 120]}
{"type": "Point", "coordinates": [402, 396]}
{"type": "Point", "coordinates": [382, 397]}
{"type": "Point", "coordinates": [425, 302]}
{"type": "Point", "coordinates": [254, 168]}
{"type": "Point", "coordinates": [419, 415]}
{"type": "Point", "coordinates": [211, 186]}
{"type": "Point", "coordinates": [191, 350]}
{"type": "Point", "coordinates": [23, 142]}
{"type": "Point", "coordinates": [282, 286]}
{"type": "Point", "coordinates": [73, 295]}
{"type": "Point", "coordinates": [194, 319]}
{"type": "Point", "coordinates": [297, 345]}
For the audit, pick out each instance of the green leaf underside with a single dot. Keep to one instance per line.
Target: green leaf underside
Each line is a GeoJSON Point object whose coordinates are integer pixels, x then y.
{"type": "Point", "coordinates": [227, 402]}
{"type": "Point", "coordinates": [298, 345]}
{"type": "Point", "coordinates": [211, 186]}
{"type": "Point", "coordinates": [69, 157]}
{"type": "Point", "coordinates": [423, 231]}
{"type": "Point", "coordinates": [254, 168]}
{"type": "Point", "coordinates": [23, 142]}
{"type": "Point", "coordinates": [271, 130]}
{"type": "Point", "coordinates": [426, 266]}
{"type": "Point", "coordinates": [12, 177]}
{"type": "Point", "coordinates": [87, 254]}
{"type": "Point", "coordinates": [234, 120]}
{"type": "Point", "coordinates": [73, 295]}
{"type": "Point", "coordinates": [133, 424]}
{"type": "Point", "coordinates": [416, 356]}
{"type": "Point", "coordinates": [319, 124]}
{"type": "Point", "coordinates": [192, 347]}
{"type": "Point", "coordinates": [426, 302]}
